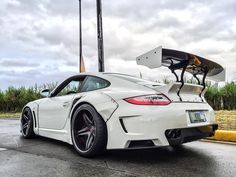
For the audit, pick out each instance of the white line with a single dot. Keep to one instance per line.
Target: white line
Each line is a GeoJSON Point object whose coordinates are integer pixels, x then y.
{"type": "Point", "coordinates": [3, 149]}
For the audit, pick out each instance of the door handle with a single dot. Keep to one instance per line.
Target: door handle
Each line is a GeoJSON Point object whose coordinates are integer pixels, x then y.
{"type": "Point", "coordinates": [66, 104]}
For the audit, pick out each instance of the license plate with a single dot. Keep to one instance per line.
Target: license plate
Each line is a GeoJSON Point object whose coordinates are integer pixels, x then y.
{"type": "Point", "coordinates": [197, 116]}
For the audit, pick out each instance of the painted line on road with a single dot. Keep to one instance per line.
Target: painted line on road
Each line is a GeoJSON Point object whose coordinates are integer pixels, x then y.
{"type": "Point", "coordinates": [3, 149]}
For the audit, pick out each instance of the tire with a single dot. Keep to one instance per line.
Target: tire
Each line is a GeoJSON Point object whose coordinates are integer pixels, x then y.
{"type": "Point", "coordinates": [27, 124]}
{"type": "Point", "coordinates": [88, 131]}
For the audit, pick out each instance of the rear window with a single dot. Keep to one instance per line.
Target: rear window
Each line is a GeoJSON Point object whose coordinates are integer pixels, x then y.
{"type": "Point", "coordinates": [94, 83]}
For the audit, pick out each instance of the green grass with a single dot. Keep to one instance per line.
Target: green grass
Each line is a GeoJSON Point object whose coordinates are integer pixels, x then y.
{"type": "Point", "coordinates": [10, 114]}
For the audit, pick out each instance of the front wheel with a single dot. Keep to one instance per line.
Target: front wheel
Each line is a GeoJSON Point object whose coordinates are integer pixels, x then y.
{"type": "Point", "coordinates": [89, 132]}
{"type": "Point", "coordinates": [27, 124]}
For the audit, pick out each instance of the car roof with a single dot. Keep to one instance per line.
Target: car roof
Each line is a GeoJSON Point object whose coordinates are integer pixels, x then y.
{"type": "Point", "coordinates": [102, 74]}
{"type": "Point", "coordinates": [110, 76]}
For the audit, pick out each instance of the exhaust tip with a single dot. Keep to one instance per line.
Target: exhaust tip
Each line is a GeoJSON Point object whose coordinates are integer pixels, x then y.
{"type": "Point", "coordinates": [174, 133]}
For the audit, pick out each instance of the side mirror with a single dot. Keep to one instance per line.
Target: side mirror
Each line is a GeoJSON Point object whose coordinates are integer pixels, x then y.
{"type": "Point", "coordinates": [45, 93]}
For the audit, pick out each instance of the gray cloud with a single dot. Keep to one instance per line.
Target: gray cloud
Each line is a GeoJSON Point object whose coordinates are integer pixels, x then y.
{"type": "Point", "coordinates": [40, 38]}
{"type": "Point", "coordinates": [31, 77]}
{"type": "Point", "coordinates": [16, 63]}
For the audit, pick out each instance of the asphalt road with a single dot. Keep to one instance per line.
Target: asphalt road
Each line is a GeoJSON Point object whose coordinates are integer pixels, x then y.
{"type": "Point", "coordinates": [45, 157]}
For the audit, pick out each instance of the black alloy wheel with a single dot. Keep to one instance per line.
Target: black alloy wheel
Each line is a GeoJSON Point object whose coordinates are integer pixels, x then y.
{"type": "Point", "coordinates": [27, 124]}
{"type": "Point", "coordinates": [89, 133]}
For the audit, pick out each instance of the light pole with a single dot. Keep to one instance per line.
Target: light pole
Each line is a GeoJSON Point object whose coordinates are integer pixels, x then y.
{"type": "Point", "coordinates": [101, 67]}
{"type": "Point", "coordinates": [81, 60]}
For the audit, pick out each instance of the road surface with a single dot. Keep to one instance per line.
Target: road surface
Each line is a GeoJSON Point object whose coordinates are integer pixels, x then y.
{"type": "Point", "coordinates": [45, 157]}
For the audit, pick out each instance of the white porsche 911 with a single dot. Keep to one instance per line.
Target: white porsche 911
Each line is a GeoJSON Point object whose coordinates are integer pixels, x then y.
{"type": "Point", "coordinates": [100, 111]}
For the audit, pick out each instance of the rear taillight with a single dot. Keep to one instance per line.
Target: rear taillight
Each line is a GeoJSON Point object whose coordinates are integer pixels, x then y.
{"type": "Point", "coordinates": [157, 99]}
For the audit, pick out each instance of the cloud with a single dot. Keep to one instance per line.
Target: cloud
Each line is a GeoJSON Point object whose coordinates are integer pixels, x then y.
{"type": "Point", "coordinates": [16, 63]}
{"type": "Point", "coordinates": [40, 38]}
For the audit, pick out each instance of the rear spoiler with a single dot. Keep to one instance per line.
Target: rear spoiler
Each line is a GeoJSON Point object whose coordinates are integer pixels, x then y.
{"type": "Point", "coordinates": [178, 60]}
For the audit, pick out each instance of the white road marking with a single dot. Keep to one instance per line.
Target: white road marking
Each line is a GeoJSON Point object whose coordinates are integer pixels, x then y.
{"type": "Point", "coordinates": [3, 149]}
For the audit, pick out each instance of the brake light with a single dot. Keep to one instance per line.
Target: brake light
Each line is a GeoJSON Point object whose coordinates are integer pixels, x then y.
{"type": "Point", "coordinates": [157, 99]}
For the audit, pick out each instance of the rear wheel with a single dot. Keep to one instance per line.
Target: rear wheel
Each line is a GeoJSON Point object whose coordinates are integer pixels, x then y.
{"type": "Point", "coordinates": [89, 133]}
{"type": "Point", "coordinates": [27, 124]}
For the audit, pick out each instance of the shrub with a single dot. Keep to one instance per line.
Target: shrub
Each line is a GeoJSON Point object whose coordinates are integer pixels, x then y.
{"type": "Point", "coordinates": [14, 99]}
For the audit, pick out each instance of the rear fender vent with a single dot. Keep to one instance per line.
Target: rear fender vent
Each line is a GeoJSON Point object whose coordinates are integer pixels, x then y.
{"type": "Point", "coordinates": [123, 125]}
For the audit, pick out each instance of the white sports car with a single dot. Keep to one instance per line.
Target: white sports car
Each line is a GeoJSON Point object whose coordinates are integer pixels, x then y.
{"type": "Point", "coordinates": [100, 111]}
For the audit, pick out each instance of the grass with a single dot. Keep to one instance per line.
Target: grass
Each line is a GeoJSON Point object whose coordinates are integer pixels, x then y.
{"type": "Point", "coordinates": [226, 119]}
{"type": "Point", "coordinates": [10, 114]}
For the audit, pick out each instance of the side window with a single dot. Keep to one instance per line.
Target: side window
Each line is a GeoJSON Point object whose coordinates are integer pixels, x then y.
{"type": "Point", "coordinates": [70, 88]}
{"type": "Point", "coordinates": [94, 83]}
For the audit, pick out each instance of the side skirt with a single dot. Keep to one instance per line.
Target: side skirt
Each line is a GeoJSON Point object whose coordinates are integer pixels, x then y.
{"type": "Point", "coordinates": [61, 135]}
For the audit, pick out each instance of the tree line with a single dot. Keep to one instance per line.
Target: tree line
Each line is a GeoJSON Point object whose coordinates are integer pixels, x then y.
{"type": "Point", "coordinates": [13, 99]}
{"type": "Point", "coordinates": [222, 98]}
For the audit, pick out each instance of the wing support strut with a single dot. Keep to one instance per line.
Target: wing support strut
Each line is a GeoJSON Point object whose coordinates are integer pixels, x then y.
{"type": "Point", "coordinates": [181, 65]}
{"type": "Point", "coordinates": [198, 81]}
{"type": "Point", "coordinates": [173, 70]}
{"type": "Point", "coordinates": [204, 81]}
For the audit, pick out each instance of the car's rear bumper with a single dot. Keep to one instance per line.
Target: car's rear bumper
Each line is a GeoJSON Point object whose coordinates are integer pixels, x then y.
{"type": "Point", "coordinates": [133, 126]}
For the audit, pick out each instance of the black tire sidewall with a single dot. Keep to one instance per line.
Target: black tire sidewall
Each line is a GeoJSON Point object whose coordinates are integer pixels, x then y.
{"type": "Point", "coordinates": [100, 141]}
{"type": "Point", "coordinates": [30, 133]}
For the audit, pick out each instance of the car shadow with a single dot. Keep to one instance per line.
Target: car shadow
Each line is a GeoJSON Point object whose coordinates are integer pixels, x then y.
{"type": "Point", "coordinates": [155, 155]}
{"type": "Point", "coordinates": [188, 157]}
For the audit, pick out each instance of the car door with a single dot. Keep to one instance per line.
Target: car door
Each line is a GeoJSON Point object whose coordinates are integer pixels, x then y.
{"type": "Point", "coordinates": [54, 110]}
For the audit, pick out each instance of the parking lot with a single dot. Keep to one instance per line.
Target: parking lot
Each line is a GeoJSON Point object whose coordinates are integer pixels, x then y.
{"type": "Point", "coordinates": [45, 157]}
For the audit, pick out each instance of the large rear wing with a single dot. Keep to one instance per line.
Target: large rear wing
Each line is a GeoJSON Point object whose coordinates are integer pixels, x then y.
{"type": "Point", "coordinates": [178, 60]}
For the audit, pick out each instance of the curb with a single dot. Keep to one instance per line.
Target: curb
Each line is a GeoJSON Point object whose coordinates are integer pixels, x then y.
{"type": "Point", "coordinates": [224, 135]}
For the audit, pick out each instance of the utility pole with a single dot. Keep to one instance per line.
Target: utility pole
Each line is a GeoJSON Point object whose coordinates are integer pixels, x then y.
{"type": "Point", "coordinates": [101, 67]}
{"type": "Point", "coordinates": [81, 60]}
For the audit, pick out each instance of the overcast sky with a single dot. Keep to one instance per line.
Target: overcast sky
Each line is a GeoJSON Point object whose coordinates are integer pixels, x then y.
{"type": "Point", "coordinates": [39, 39]}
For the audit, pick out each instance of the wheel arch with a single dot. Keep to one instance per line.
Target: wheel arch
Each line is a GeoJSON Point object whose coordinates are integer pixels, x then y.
{"type": "Point", "coordinates": [103, 104]}
{"type": "Point", "coordinates": [77, 106]}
